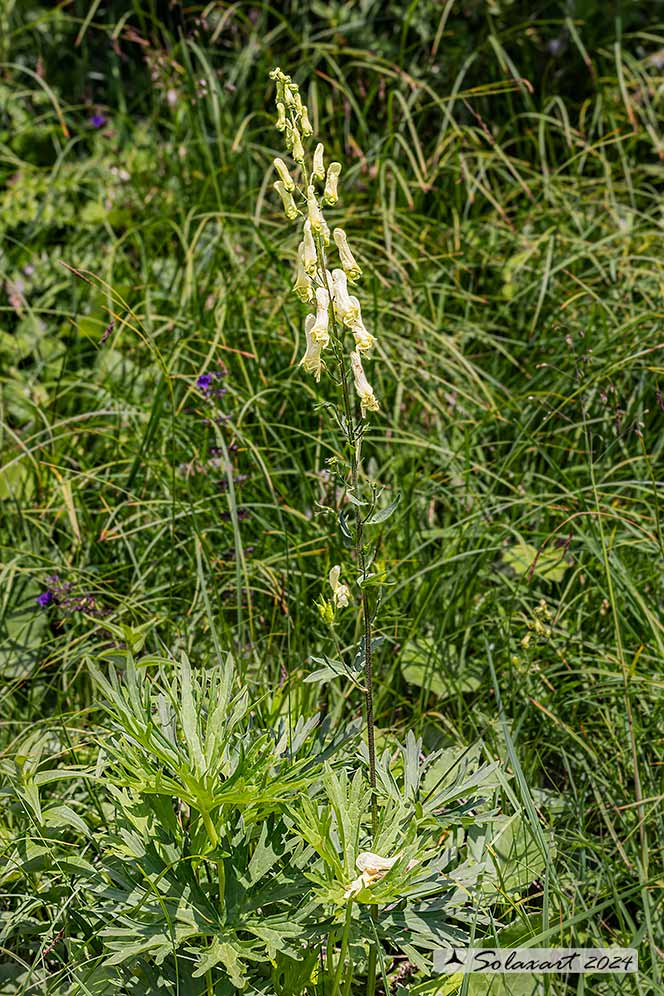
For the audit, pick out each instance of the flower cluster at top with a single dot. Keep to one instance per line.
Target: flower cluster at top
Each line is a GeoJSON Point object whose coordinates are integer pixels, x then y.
{"type": "Point", "coordinates": [337, 309]}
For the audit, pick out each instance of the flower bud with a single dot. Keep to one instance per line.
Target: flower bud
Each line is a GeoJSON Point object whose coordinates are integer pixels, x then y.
{"type": "Point", "coordinates": [278, 78]}
{"type": "Point", "coordinates": [290, 207]}
{"type": "Point", "coordinates": [330, 195]}
{"type": "Point", "coordinates": [284, 175]}
{"type": "Point", "coordinates": [313, 211]}
{"type": "Point", "coordinates": [368, 400]}
{"type": "Point", "coordinates": [281, 116]}
{"type": "Point", "coordinates": [326, 611]}
{"type": "Point", "coordinates": [311, 361]}
{"type": "Point", "coordinates": [345, 255]}
{"type": "Point", "coordinates": [303, 287]}
{"type": "Point", "coordinates": [309, 251]}
{"type": "Point", "coordinates": [318, 171]}
{"type": "Point", "coordinates": [346, 311]}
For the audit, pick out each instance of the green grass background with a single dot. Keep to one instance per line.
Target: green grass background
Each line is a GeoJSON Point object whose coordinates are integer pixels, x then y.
{"type": "Point", "coordinates": [503, 193]}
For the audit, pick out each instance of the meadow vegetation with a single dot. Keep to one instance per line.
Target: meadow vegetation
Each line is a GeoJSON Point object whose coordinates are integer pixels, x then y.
{"type": "Point", "coordinates": [185, 778]}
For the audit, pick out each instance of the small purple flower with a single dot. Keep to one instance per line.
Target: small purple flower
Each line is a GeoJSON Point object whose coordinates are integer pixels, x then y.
{"type": "Point", "coordinates": [204, 381]}
{"type": "Point", "coordinates": [45, 599]}
{"type": "Point", "coordinates": [97, 120]}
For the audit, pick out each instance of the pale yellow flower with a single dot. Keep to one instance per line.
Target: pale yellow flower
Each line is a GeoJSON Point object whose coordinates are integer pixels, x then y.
{"type": "Point", "coordinates": [313, 211]}
{"type": "Point", "coordinates": [340, 592]}
{"type": "Point", "coordinates": [294, 142]}
{"type": "Point", "coordinates": [368, 400]}
{"type": "Point", "coordinates": [290, 207]}
{"type": "Point", "coordinates": [319, 330]}
{"type": "Point", "coordinates": [330, 195]}
{"type": "Point", "coordinates": [353, 272]}
{"type": "Point", "coordinates": [303, 286]}
{"type": "Point", "coordinates": [281, 117]}
{"type": "Point", "coordinates": [373, 867]}
{"type": "Point", "coordinates": [305, 123]}
{"type": "Point", "coordinates": [364, 340]}
{"type": "Point", "coordinates": [309, 250]}
{"type": "Point", "coordinates": [311, 361]}
{"type": "Point", "coordinates": [346, 308]}
{"type": "Point", "coordinates": [284, 175]}
{"type": "Point", "coordinates": [318, 171]}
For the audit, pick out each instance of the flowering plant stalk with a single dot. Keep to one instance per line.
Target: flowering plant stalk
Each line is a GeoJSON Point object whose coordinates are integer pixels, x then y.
{"type": "Point", "coordinates": [336, 318]}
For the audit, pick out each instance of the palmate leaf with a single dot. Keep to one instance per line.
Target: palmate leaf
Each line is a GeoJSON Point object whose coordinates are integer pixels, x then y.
{"type": "Point", "coordinates": [188, 738]}
{"type": "Point", "coordinates": [427, 926]}
{"type": "Point", "coordinates": [157, 908]}
{"type": "Point", "coordinates": [290, 977]}
{"type": "Point", "coordinates": [232, 955]}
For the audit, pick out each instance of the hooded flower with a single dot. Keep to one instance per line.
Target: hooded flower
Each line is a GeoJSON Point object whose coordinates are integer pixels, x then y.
{"type": "Point", "coordinates": [368, 400]}
{"type": "Point", "coordinates": [319, 330]}
{"type": "Point", "coordinates": [346, 308]}
{"type": "Point", "coordinates": [303, 286]}
{"type": "Point", "coordinates": [373, 867]}
{"type": "Point", "coordinates": [364, 340]}
{"type": "Point", "coordinates": [284, 175]}
{"type": "Point", "coordinates": [340, 592]}
{"type": "Point", "coordinates": [290, 207]}
{"type": "Point", "coordinates": [309, 250]}
{"type": "Point", "coordinates": [318, 171]}
{"type": "Point", "coordinates": [311, 361]}
{"type": "Point", "coordinates": [313, 211]}
{"type": "Point", "coordinates": [294, 143]}
{"type": "Point", "coordinates": [281, 117]}
{"type": "Point", "coordinates": [305, 123]}
{"type": "Point", "coordinates": [353, 272]}
{"type": "Point", "coordinates": [330, 195]}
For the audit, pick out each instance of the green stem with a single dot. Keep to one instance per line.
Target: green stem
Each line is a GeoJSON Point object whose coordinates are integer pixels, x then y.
{"type": "Point", "coordinates": [371, 964]}
{"type": "Point", "coordinates": [209, 827]}
{"type": "Point", "coordinates": [221, 876]}
{"type": "Point", "coordinates": [354, 437]}
{"type": "Point", "coordinates": [344, 948]}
